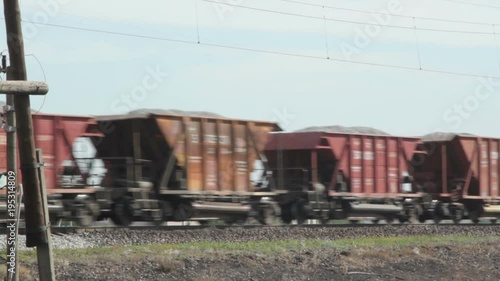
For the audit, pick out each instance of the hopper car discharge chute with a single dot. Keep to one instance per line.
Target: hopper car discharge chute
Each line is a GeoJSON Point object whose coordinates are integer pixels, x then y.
{"type": "Point", "coordinates": [170, 165]}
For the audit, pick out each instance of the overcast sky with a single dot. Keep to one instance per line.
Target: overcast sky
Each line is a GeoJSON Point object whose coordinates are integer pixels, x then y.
{"type": "Point", "coordinates": [97, 73]}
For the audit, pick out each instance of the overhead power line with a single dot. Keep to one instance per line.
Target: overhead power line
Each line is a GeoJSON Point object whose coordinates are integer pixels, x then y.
{"type": "Point", "coordinates": [348, 21]}
{"type": "Point", "coordinates": [260, 50]}
{"type": "Point", "coordinates": [387, 14]}
{"type": "Point", "coordinates": [473, 4]}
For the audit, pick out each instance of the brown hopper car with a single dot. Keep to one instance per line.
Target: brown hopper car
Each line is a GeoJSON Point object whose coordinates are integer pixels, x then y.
{"type": "Point", "coordinates": [346, 166]}
{"type": "Point", "coordinates": [188, 159]}
{"type": "Point", "coordinates": [460, 173]}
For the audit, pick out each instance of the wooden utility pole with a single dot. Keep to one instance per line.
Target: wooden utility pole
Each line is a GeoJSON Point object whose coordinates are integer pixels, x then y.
{"type": "Point", "coordinates": [36, 224]}
{"type": "Point", "coordinates": [36, 215]}
{"type": "Point", "coordinates": [44, 252]}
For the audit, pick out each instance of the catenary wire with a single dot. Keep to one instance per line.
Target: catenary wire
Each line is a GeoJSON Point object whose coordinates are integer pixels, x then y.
{"type": "Point", "coordinates": [349, 21]}
{"type": "Point", "coordinates": [197, 20]}
{"type": "Point", "coordinates": [387, 14]}
{"type": "Point", "coordinates": [473, 4]}
{"type": "Point", "coordinates": [263, 51]}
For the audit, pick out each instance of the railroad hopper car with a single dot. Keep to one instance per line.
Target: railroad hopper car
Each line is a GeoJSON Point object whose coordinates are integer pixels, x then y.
{"type": "Point", "coordinates": [168, 165]}
{"type": "Point", "coordinates": [338, 173]}
{"type": "Point", "coordinates": [66, 184]}
{"type": "Point", "coordinates": [460, 175]}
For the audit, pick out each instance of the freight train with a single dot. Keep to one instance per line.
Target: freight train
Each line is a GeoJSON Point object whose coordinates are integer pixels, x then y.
{"type": "Point", "coordinates": [169, 165]}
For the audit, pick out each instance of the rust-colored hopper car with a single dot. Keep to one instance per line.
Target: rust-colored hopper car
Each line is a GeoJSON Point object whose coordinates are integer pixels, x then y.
{"type": "Point", "coordinates": [195, 163]}
{"type": "Point", "coordinates": [346, 171]}
{"type": "Point", "coordinates": [460, 175]}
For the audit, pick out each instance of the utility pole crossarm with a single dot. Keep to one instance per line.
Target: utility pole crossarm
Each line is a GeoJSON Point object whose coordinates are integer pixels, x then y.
{"type": "Point", "coordinates": [24, 87]}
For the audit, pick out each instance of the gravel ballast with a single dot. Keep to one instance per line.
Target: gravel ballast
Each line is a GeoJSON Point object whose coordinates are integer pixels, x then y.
{"type": "Point", "coordinates": [141, 237]}
{"type": "Point", "coordinates": [125, 237]}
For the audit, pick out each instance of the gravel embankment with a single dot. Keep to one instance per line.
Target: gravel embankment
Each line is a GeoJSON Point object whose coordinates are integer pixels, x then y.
{"type": "Point", "coordinates": [58, 242]}
{"type": "Point", "coordinates": [123, 237]}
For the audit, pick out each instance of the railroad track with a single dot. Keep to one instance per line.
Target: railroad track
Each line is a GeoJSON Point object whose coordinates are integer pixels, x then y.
{"type": "Point", "coordinates": [62, 230]}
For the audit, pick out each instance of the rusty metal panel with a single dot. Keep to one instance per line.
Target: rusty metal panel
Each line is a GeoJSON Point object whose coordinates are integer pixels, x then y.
{"type": "Point", "coordinates": [217, 153]}
{"type": "Point", "coordinates": [381, 165]}
{"type": "Point", "coordinates": [494, 150]}
{"type": "Point", "coordinates": [393, 165]}
{"type": "Point", "coordinates": [211, 147]}
{"type": "Point", "coordinates": [356, 168]}
{"type": "Point", "coordinates": [383, 170]}
{"type": "Point", "coordinates": [240, 157]}
{"type": "Point", "coordinates": [194, 157]}
{"type": "Point", "coordinates": [488, 167]}
{"type": "Point", "coordinates": [172, 129]}
{"type": "Point", "coordinates": [226, 156]}
{"type": "Point", "coordinates": [484, 166]}
{"type": "Point", "coordinates": [368, 163]}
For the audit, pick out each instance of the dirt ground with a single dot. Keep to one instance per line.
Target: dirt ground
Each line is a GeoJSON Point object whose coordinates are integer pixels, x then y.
{"type": "Point", "coordinates": [402, 261]}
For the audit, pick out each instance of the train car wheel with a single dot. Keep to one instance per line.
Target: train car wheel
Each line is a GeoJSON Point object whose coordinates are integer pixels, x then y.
{"type": "Point", "coordinates": [183, 211]}
{"type": "Point", "coordinates": [299, 212]}
{"type": "Point", "coordinates": [123, 212]}
{"type": "Point", "coordinates": [437, 214]}
{"type": "Point", "coordinates": [419, 214]}
{"type": "Point", "coordinates": [375, 221]}
{"type": "Point", "coordinates": [475, 213]}
{"type": "Point", "coordinates": [436, 218]}
{"type": "Point", "coordinates": [85, 220]}
{"type": "Point", "coordinates": [474, 216]}
{"type": "Point", "coordinates": [166, 209]}
{"type": "Point", "coordinates": [83, 212]}
{"type": "Point", "coordinates": [457, 215]}
{"type": "Point", "coordinates": [91, 208]}
{"type": "Point", "coordinates": [286, 214]}
{"type": "Point", "coordinates": [266, 215]}
{"type": "Point", "coordinates": [422, 218]}
{"type": "Point", "coordinates": [493, 221]}
{"type": "Point", "coordinates": [158, 221]}
{"type": "Point", "coordinates": [404, 219]}
{"type": "Point", "coordinates": [409, 216]}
